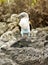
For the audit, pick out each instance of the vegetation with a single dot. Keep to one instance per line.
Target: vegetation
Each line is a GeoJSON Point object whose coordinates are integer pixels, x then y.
{"type": "Point", "coordinates": [37, 10]}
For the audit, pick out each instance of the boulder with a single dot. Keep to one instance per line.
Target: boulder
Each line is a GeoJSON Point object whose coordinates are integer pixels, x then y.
{"type": "Point", "coordinates": [11, 26]}
{"type": "Point", "coordinates": [7, 36]}
{"type": "Point", "coordinates": [26, 51]}
{"type": "Point", "coordinates": [3, 27]}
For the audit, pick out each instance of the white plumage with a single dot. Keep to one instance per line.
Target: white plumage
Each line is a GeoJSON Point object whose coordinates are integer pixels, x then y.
{"type": "Point", "coordinates": [24, 23]}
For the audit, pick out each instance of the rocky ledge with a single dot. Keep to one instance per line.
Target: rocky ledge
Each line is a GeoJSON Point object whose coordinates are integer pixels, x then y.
{"type": "Point", "coordinates": [33, 50]}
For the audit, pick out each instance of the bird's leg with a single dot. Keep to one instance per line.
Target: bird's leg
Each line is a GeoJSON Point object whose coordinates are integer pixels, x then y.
{"type": "Point", "coordinates": [28, 34]}
{"type": "Point", "coordinates": [22, 33]}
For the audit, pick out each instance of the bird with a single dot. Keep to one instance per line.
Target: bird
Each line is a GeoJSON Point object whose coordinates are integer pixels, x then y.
{"type": "Point", "coordinates": [24, 23]}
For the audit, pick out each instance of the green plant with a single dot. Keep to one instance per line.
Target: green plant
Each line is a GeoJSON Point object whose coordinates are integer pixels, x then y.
{"type": "Point", "coordinates": [33, 2]}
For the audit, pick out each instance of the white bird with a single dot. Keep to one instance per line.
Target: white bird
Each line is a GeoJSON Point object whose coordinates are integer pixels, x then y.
{"type": "Point", "coordinates": [24, 23]}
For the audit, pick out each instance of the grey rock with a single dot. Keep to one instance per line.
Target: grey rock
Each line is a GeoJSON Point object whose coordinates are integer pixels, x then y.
{"type": "Point", "coordinates": [3, 27]}
{"type": "Point", "coordinates": [24, 51]}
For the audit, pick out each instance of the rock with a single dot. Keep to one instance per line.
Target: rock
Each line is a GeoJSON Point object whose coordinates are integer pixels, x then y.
{"type": "Point", "coordinates": [13, 18]}
{"type": "Point", "coordinates": [13, 22]}
{"type": "Point", "coordinates": [4, 60]}
{"type": "Point", "coordinates": [47, 37]}
{"type": "Point", "coordinates": [46, 43]}
{"type": "Point", "coordinates": [24, 51]}
{"type": "Point", "coordinates": [7, 36]}
{"type": "Point", "coordinates": [11, 26]}
{"type": "Point", "coordinates": [26, 56]}
{"type": "Point", "coordinates": [16, 30]}
{"type": "Point", "coordinates": [3, 27]}
{"type": "Point", "coordinates": [34, 32]}
{"type": "Point", "coordinates": [7, 39]}
{"type": "Point", "coordinates": [8, 44]}
{"type": "Point", "coordinates": [1, 43]}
